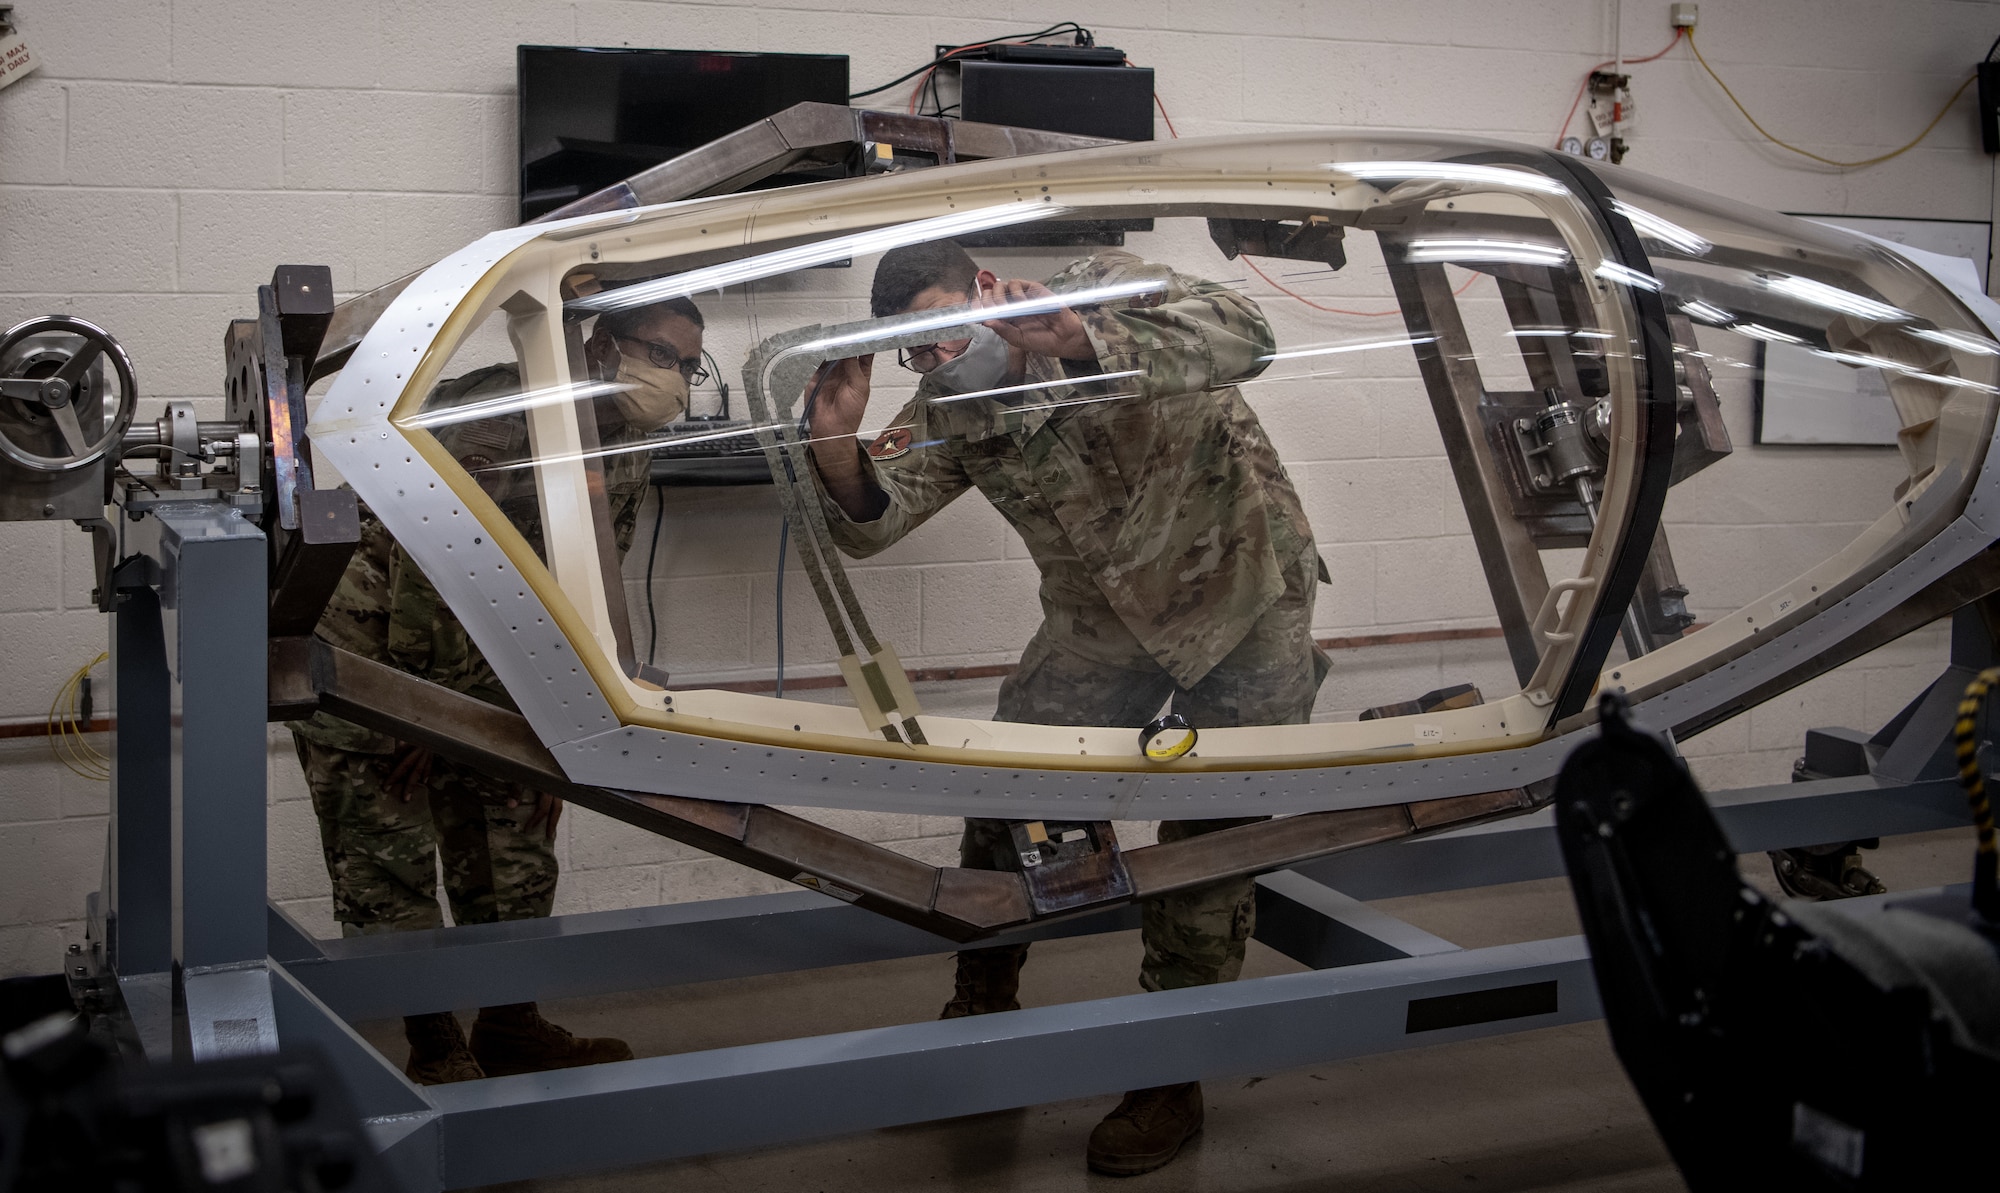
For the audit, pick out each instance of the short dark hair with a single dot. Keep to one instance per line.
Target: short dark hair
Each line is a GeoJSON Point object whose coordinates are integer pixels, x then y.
{"type": "Point", "coordinates": [627, 322]}
{"type": "Point", "coordinates": [908, 270]}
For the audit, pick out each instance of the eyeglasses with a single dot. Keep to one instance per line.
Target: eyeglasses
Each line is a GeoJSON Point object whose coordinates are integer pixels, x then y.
{"type": "Point", "coordinates": [666, 356]}
{"type": "Point", "coordinates": [920, 359]}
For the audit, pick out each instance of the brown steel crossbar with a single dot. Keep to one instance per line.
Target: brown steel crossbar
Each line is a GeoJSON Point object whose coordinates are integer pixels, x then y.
{"type": "Point", "coordinates": [959, 904]}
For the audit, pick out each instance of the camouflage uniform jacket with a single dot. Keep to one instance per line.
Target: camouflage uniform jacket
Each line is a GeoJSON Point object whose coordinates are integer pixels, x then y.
{"type": "Point", "coordinates": [386, 610]}
{"type": "Point", "coordinates": [1153, 503]}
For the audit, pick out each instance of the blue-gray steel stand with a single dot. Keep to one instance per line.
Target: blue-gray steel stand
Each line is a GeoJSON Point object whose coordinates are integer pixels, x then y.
{"type": "Point", "coordinates": [180, 918]}
{"type": "Point", "coordinates": [185, 897]}
{"type": "Point", "coordinates": [1377, 984]}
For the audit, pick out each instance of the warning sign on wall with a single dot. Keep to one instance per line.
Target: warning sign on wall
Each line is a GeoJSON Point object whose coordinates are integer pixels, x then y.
{"type": "Point", "coordinates": [15, 60]}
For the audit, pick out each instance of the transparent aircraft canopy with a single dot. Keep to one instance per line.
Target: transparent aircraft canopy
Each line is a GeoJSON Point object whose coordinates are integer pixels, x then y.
{"type": "Point", "coordinates": [1182, 411]}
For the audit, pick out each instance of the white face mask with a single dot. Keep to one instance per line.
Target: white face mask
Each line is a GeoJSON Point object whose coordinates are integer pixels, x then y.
{"type": "Point", "coordinates": [983, 364]}
{"type": "Point", "coordinates": [651, 396]}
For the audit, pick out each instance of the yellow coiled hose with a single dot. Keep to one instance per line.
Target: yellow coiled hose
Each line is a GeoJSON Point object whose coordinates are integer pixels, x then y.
{"type": "Point", "coordinates": [1986, 862]}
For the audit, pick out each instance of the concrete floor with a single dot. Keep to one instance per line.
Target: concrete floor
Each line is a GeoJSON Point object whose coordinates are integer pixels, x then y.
{"type": "Point", "coordinates": [1540, 1110]}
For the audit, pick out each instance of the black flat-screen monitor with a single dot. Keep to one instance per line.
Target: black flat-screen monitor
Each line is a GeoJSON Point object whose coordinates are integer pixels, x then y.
{"type": "Point", "coordinates": [591, 117]}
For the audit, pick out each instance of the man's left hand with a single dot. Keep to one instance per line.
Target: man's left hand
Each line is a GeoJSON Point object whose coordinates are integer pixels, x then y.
{"type": "Point", "coordinates": [1058, 333]}
{"type": "Point", "coordinates": [548, 810]}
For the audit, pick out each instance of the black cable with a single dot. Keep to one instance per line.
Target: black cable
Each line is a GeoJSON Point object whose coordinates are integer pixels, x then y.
{"type": "Point", "coordinates": [1088, 38]}
{"type": "Point", "coordinates": [652, 554]}
{"type": "Point", "coordinates": [1989, 50]}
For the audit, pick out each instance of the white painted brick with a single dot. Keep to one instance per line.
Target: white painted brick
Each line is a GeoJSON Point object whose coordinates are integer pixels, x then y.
{"type": "Point", "coordinates": [1730, 737]}
{"type": "Point", "coordinates": [500, 151]}
{"type": "Point", "coordinates": [281, 766]}
{"type": "Point", "coordinates": [675, 26]}
{"type": "Point", "coordinates": [1317, 420]}
{"type": "Point", "coordinates": [64, 642]}
{"type": "Point", "coordinates": [1407, 424]}
{"type": "Point", "coordinates": [380, 141]}
{"type": "Point", "coordinates": [99, 39]}
{"type": "Point", "coordinates": [702, 622]}
{"type": "Point", "coordinates": [47, 868]}
{"type": "Point", "coordinates": [83, 795]}
{"type": "Point", "coordinates": [30, 950]}
{"type": "Point", "coordinates": [1727, 772]}
{"type": "Point", "coordinates": [1834, 699]}
{"type": "Point", "coordinates": [879, 46]}
{"type": "Point", "coordinates": [33, 551]}
{"type": "Point", "coordinates": [891, 598]}
{"type": "Point", "coordinates": [434, 47]}
{"type": "Point", "coordinates": [297, 861]}
{"type": "Point", "coordinates": [410, 232]}
{"type": "Point", "coordinates": [29, 774]}
{"type": "Point", "coordinates": [1726, 567]}
{"type": "Point", "coordinates": [977, 608]}
{"type": "Point", "coordinates": [713, 878]}
{"type": "Point", "coordinates": [1373, 500]}
{"type": "Point", "coordinates": [1761, 485]}
{"type": "Point", "coordinates": [609, 890]}
{"type": "Point", "coordinates": [314, 915]}
{"type": "Point", "coordinates": [34, 127]}
{"type": "Point", "coordinates": [1576, 27]}
{"type": "Point", "coordinates": [869, 826]}
{"type": "Point", "coordinates": [1428, 580]}
{"type": "Point", "coordinates": [230, 240]}
{"type": "Point", "coordinates": [123, 134]}
{"type": "Point", "coordinates": [706, 531]}
{"type": "Point", "coordinates": [931, 851]}
{"type": "Point", "coordinates": [1348, 603]}
{"type": "Point", "coordinates": [599, 842]}
{"type": "Point", "coordinates": [174, 340]}
{"type": "Point", "coordinates": [228, 41]}
{"type": "Point", "coordinates": [130, 245]}
{"type": "Point", "coordinates": [1364, 678]}
{"type": "Point", "coordinates": [79, 569]}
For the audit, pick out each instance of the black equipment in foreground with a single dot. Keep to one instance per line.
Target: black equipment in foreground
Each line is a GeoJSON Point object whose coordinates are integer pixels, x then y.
{"type": "Point", "coordinates": [73, 1116]}
{"type": "Point", "coordinates": [1797, 1046]}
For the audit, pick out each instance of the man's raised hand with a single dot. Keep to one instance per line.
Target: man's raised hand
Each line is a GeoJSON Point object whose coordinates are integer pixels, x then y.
{"type": "Point", "coordinates": [1058, 333]}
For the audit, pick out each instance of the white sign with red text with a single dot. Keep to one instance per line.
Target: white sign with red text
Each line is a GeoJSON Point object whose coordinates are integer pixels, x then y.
{"type": "Point", "coordinates": [15, 60]}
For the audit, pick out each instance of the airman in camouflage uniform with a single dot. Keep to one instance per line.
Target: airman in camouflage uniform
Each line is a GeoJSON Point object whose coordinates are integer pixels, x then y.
{"type": "Point", "coordinates": [382, 842]}
{"type": "Point", "coordinates": [1176, 560]}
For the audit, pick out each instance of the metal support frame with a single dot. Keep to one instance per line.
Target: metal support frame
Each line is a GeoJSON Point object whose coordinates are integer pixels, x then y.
{"type": "Point", "coordinates": [192, 656]}
{"type": "Point", "coordinates": [1378, 985]}
{"type": "Point", "coordinates": [222, 972]}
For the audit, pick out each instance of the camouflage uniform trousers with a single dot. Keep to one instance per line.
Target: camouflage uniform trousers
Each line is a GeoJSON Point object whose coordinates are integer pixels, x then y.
{"type": "Point", "coordinates": [381, 852]}
{"type": "Point", "coordinates": [1194, 937]}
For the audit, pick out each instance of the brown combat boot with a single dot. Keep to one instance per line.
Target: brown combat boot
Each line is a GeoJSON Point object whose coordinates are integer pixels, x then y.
{"type": "Point", "coordinates": [1147, 1130]}
{"type": "Point", "coordinates": [987, 981]}
{"type": "Point", "coordinates": [438, 1054]}
{"type": "Point", "coordinates": [516, 1039]}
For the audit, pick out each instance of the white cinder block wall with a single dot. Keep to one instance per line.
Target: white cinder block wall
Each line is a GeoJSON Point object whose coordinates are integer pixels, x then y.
{"type": "Point", "coordinates": [170, 152]}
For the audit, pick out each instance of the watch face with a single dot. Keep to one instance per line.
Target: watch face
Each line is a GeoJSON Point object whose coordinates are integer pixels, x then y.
{"type": "Point", "coordinates": [1573, 145]}
{"type": "Point", "coordinates": [1599, 148]}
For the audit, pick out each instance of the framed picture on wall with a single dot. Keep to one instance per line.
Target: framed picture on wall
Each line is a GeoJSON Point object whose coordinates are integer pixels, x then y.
{"type": "Point", "coordinates": [1804, 398]}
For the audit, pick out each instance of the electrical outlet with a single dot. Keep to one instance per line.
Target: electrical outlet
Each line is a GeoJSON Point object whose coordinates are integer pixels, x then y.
{"type": "Point", "coordinates": [1683, 16]}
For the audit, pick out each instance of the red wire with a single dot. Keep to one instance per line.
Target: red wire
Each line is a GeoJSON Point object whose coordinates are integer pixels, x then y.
{"type": "Point", "coordinates": [1580, 87]}
{"type": "Point", "coordinates": [955, 52]}
{"type": "Point", "coordinates": [1339, 310]}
